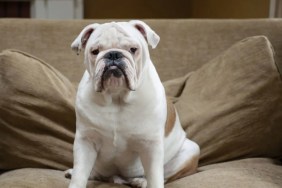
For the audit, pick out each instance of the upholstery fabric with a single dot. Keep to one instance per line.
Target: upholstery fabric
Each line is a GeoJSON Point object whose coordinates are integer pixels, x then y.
{"type": "Point", "coordinates": [232, 105]}
{"type": "Point", "coordinates": [37, 114]}
{"type": "Point", "coordinates": [251, 173]}
{"type": "Point", "coordinates": [185, 45]}
{"type": "Point", "coordinates": [247, 173]}
{"type": "Point", "coordinates": [44, 178]}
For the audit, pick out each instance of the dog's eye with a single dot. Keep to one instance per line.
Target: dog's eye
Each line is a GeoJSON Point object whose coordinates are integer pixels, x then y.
{"type": "Point", "coordinates": [133, 50]}
{"type": "Point", "coordinates": [95, 52]}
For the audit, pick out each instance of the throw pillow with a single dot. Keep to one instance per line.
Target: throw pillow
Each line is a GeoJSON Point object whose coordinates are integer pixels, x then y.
{"type": "Point", "coordinates": [232, 105]}
{"type": "Point", "coordinates": [37, 121]}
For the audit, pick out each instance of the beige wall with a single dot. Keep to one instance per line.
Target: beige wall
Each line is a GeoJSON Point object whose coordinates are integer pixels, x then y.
{"type": "Point", "coordinates": [176, 8]}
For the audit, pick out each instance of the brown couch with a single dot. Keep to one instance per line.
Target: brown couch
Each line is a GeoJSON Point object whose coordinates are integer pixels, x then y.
{"type": "Point", "coordinates": [223, 76]}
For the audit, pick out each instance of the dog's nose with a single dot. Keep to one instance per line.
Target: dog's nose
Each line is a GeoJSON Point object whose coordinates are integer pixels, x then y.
{"type": "Point", "coordinates": [113, 55]}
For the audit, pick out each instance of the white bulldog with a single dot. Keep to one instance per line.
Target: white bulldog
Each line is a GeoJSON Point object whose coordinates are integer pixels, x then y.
{"type": "Point", "coordinates": [126, 128]}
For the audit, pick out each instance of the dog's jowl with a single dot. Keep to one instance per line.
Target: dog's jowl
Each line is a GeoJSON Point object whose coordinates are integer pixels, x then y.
{"type": "Point", "coordinates": [127, 131]}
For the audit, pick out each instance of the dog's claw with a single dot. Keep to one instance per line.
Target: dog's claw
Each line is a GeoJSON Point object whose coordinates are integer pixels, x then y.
{"type": "Point", "coordinates": [68, 173]}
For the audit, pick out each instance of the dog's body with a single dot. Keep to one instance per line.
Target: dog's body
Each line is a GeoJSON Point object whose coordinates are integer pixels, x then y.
{"type": "Point", "coordinates": [125, 125]}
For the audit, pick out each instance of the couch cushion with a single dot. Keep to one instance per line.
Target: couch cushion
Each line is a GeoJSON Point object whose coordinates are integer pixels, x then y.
{"type": "Point", "coordinates": [186, 44]}
{"type": "Point", "coordinates": [43, 178]}
{"type": "Point", "coordinates": [37, 113]}
{"type": "Point", "coordinates": [232, 105]}
{"type": "Point", "coordinates": [251, 173]}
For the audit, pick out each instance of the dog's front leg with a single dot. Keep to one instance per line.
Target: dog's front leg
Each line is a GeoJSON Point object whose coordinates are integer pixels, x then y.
{"type": "Point", "coordinates": [84, 158]}
{"type": "Point", "coordinates": [152, 158]}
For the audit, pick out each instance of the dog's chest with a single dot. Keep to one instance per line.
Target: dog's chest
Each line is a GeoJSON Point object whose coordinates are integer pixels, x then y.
{"type": "Point", "coordinates": [116, 125]}
{"type": "Point", "coordinates": [113, 125]}
{"type": "Point", "coordinates": [117, 138]}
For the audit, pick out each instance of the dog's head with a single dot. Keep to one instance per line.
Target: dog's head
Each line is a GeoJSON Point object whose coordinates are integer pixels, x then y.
{"type": "Point", "coordinates": [116, 53]}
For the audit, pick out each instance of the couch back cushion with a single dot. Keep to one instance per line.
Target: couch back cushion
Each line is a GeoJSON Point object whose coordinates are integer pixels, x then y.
{"type": "Point", "coordinates": [37, 121]}
{"type": "Point", "coordinates": [232, 105]}
{"type": "Point", "coordinates": [185, 44]}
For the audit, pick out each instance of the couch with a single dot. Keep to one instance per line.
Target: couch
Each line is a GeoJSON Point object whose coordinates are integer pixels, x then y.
{"type": "Point", "coordinates": [224, 77]}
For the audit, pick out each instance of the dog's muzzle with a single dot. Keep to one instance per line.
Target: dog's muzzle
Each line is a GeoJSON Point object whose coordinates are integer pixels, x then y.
{"type": "Point", "coordinates": [114, 65]}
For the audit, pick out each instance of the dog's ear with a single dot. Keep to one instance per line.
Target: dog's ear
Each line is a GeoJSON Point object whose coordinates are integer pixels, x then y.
{"type": "Point", "coordinates": [150, 36]}
{"type": "Point", "coordinates": [81, 40]}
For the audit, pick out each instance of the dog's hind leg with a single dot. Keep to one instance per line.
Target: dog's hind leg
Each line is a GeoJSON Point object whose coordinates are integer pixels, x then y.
{"type": "Point", "coordinates": [184, 163]}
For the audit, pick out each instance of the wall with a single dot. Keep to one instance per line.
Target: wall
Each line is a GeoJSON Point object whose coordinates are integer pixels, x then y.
{"type": "Point", "coordinates": [229, 8]}
{"type": "Point", "coordinates": [176, 8]}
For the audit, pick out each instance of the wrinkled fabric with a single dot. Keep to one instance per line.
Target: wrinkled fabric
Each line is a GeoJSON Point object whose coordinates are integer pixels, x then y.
{"type": "Point", "coordinates": [44, 178]}
{"type": "Point", "coordinates": [232, 105]}
{"type": "Point", "coordinates": [251, 173]}
{"type": "Point", "coordinates": [246, 173]}
{"type": "Point", "coordinates": [37, 121]}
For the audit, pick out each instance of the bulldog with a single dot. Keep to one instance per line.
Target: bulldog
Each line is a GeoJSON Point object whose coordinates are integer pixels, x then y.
{"type": "Point", "coordinates": [127, 131]}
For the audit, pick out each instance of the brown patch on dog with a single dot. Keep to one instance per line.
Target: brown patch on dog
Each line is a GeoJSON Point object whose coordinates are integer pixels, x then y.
{"type": "Point", "coordinates": [171, 117]}
{"type": "Point", "coordinates": [189, 168]}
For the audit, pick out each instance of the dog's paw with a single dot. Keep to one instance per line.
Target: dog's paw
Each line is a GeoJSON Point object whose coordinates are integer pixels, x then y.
{"type": "Point", "coordinates": [138, 182]}
{"type": "Point", "coordinates": [117, 180]}
{"type": "Point", "coordinates": [68, 173]}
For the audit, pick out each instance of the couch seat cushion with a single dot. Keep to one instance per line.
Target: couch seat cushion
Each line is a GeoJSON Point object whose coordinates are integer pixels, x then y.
{"type": "Point", "coordinates": [251, 173]}
{"type": "Point", "coordinates": [43, 178]}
